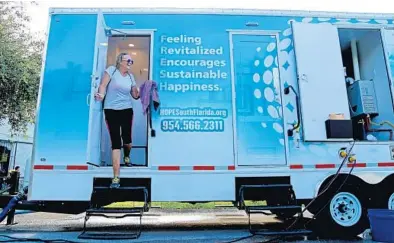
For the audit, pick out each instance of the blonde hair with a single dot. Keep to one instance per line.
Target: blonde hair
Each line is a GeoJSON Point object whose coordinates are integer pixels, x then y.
{"type": "Point", "coordinates": [119, 59]}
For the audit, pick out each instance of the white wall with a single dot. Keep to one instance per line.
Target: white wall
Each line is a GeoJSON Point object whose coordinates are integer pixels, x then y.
{"type": "Point", "coordinates": [371, 59]}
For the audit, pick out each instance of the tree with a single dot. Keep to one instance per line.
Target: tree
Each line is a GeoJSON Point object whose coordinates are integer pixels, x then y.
{"type": "Point", "coordinates": [20, 66]}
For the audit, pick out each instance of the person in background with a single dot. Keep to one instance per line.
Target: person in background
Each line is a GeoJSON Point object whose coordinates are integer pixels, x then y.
{"type": "Point", "coordinates": [13, 180]}
{"type": "Point", "coordinates": [17, 168]}
{"type": "Point", "coordinates": [116, 89]}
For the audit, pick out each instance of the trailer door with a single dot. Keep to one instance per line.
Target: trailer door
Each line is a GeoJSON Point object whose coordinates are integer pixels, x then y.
{"type": "Point", "coordinates": [260, 139]}
{"type": "Point", "coordinates": [321, 78]}
{"type": "Point", "coordinates": [96, 111]}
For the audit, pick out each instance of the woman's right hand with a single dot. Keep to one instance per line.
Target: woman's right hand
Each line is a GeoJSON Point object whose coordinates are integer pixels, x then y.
{"type": "Point", "coordinates": [99, 96]}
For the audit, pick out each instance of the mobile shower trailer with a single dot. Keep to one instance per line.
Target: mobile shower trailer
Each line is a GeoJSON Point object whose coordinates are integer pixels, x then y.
{"type": "Point", "coordinates": [248, 99]}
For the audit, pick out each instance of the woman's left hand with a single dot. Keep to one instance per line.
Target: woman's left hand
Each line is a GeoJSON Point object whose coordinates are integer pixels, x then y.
{"type": "Point", "coordinates": [134, 93]}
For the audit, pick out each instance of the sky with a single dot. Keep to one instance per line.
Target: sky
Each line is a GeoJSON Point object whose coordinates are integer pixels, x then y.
{"type": "Point", "coordinates": [39, 13]}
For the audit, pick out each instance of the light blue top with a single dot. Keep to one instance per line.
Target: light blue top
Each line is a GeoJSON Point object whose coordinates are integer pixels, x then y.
{"type": "Point", "coordinates": [118, 96]}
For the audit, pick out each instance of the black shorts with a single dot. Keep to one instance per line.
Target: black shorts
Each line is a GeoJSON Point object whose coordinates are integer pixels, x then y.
{"type": "Point", "coordinates": [120, 124]}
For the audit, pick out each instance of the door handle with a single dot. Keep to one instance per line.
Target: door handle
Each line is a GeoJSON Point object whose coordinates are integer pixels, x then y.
{"type": "Point", "coordinates": [304, 77]}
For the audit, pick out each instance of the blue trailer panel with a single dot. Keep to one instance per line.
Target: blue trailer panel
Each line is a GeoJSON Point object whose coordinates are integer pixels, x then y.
{"type": "Point", "coordinates": [62, 130]}
{"type": "Point", "coordinates": [246, 98]}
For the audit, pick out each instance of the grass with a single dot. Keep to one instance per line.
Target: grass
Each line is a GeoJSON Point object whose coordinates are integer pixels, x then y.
{"type": "Point", "coordinates": [181, 205]}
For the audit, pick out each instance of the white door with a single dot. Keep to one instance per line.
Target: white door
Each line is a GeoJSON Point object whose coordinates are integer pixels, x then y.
{"type": "Point", "coordinates": [96, 111]}
{"type": "Point", "coordinates": [320, 77]}
{"type": "Point", "coordinates": [259, 123]}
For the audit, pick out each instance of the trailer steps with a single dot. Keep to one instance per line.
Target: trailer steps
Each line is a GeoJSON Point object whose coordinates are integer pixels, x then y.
{"type": "Point", "coordinates": [262, 209]}
{"type": "Point", "coordinates": [104, 195]}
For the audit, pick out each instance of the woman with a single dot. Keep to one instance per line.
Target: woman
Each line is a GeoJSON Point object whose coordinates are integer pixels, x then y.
{"type": "Point", "coordinates": [116, 88]}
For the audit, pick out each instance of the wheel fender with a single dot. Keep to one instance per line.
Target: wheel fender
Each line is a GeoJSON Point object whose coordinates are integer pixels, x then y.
{"type": "Point", "coordinates": [363, 178]}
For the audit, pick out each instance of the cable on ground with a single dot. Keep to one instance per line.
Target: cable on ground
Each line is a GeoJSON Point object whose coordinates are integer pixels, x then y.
{"type": "Point", "coordinates": [16, 239]}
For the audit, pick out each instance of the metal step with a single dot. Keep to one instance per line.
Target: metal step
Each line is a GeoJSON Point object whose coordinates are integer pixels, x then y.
{"type": "Point", "coordinates": [104, 195]}
{"type": "Point", "coordinates": [97, 194]}
{"type": "Point", "coordinates": [259, 209]}
{"type": "Point", "coordinates": [114, 210]}
{"type": "Point", "coordinates": [283, 233]}
{"type": "Point", "coordinates": [243, 188]}
{"type": "Point", "coordinates": [110, 236]}
{"type": "Point", "coordinates": [266, 186]}
{"type": "Point", "coordinates": [121, 212]}
{"type": "Point", "coordinates": [130, 190]}
{"type": "Point", "coordinates": [119, 188]}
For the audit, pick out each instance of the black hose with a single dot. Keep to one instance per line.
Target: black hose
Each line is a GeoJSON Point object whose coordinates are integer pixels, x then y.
{"type": "Point", "coordinates": [15, 239]}
{"type": "Point", "coordinates": [287, 91]}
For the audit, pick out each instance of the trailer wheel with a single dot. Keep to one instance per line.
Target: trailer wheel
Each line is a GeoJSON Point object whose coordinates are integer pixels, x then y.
{"type": "Point", "coordinates": [390, 202]}
{"type": "Point", "coordinates": [386, 200]}
{"type": "Point", "coordinates": [384, 195]}
{"type": "Point", "coordinates": [345, 215]}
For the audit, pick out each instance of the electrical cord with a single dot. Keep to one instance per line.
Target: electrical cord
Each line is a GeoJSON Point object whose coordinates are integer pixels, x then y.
{"type": "Point", "coordinates": [242, 238]}
{"type": "Point", "coordinates": [15, 239]}
{"type": "Point", "coordinates": [324, 191]}
{"type": "Point", "coordinates": [310, 203]}
{"type": "Point", "coordinates": [328, 185]}
{"type": "Point", "coordinates": [343, 183]}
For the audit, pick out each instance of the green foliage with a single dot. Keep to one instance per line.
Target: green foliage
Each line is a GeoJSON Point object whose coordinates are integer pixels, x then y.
{"type": "Point", "coordinates": [20, 66]}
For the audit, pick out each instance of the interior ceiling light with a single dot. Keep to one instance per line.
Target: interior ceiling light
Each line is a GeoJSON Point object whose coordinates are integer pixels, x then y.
{"type": "Point", "coordinates": [131, 45]}
{"type": "Point", "coordinates": [134, 53]}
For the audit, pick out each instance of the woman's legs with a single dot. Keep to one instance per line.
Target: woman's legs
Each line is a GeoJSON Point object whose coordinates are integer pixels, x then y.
{"type": "Point", "coordinates": [116, 162]}
{"type": "Point", "coordinates": [112, 119]}
{"type": "Point", "coordinates": [126, 125]}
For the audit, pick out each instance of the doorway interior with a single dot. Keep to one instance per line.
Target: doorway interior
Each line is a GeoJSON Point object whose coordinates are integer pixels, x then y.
{"type": "Point", "coordinates": [139, 48]}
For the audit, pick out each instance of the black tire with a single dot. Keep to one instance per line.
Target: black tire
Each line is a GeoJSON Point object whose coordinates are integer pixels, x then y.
{"type": "Point", "coordinates": [345, 215]}
{"type": "Point", "coordinates": [389, 196]}
{"type": "Point", "coordinates": [382, 199]}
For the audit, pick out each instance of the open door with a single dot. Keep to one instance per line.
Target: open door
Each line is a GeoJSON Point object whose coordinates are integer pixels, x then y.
{"type": "Point", "coordinates": [96, 111]}
{"type": "Point", "coordinates": [321, 77]}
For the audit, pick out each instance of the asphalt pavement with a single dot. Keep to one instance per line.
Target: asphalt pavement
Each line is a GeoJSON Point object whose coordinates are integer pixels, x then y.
{"type": "Point", "coordinates": [218, 225]}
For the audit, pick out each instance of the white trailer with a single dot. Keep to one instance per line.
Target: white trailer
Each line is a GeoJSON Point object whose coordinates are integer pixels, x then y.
{"type": "Point", "coordinates": [250, 100]}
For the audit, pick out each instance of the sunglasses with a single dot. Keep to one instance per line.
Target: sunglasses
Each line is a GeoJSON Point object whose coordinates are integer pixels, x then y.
{"type": "Point", "coordinates": [130, 62]}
